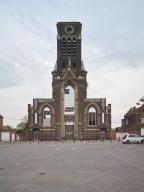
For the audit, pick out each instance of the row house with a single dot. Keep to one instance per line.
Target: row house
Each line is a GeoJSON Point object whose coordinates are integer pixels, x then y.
{"type": "Point", "coordinates": [133, 121]}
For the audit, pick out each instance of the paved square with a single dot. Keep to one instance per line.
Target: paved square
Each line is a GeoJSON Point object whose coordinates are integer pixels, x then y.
{"type": "Point", "coordinates": [72, 167]}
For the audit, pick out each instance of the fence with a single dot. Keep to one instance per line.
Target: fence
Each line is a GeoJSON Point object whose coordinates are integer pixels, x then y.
{"type": "Point", "coordinates": [39, 137]}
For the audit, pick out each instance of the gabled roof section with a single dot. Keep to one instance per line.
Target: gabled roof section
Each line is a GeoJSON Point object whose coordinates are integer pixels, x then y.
{"type": "Point", "coordinates": [69, 75]}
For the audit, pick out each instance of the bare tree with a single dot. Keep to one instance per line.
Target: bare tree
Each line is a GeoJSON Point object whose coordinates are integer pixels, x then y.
{"type": "Point", "coordinates": [23, 127]}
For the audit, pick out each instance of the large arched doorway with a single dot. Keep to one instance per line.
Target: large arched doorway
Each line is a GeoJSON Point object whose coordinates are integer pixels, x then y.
{"type": "Point", "coordinates": [69, 111]}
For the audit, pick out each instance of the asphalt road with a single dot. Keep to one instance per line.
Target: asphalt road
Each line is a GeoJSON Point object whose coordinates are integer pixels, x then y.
{"type": "Point", "coordinates": [72, 167]}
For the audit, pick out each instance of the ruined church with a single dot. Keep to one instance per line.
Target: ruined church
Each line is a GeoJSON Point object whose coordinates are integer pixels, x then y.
{"type": "Point", "coordinates": [69, 113]}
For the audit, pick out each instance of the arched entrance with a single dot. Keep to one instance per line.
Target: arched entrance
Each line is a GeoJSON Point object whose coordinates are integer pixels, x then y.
{"type": "Point", "coordinates": [69, 111]}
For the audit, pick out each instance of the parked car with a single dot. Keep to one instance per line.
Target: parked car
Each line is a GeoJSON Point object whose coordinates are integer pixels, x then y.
{"type": "Point", "coordinates": [132, 138]}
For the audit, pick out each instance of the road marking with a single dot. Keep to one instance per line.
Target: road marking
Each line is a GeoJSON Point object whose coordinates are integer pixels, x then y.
{"type": "Point", "coordinates": [39, 157]}
{"type": "Point", "coordinates": [7, 176]}
{"type": "Point", "coordinates": [75, 148]}
{"type": "Point", "coordinates": [122, 159]}
{"type": "Point", "coordinates": [129, 153]}
{"type": "Point", "coordinates": [127, 161]}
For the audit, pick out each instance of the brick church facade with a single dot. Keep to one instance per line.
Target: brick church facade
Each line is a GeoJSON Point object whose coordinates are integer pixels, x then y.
{"type": "Point", "coordinates": [69, 113]}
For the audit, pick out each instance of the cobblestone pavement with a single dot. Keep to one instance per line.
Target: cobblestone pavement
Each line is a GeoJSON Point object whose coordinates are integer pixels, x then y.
{"type": "Point", "coordinates": [72, 167]}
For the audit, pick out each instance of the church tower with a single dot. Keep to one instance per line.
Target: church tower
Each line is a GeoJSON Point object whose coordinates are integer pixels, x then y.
{"type": "Point", "coordinates": [69, 76]}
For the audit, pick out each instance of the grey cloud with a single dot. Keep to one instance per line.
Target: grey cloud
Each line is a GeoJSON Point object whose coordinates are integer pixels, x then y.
{"type": "Point", "coordinates": [26, 55]}
{"type": "Point", "coordinates": [7, 76]}
{"type": "Point", "coordinates": [114, 59]}
{"type": "Point", "coordinates": [23, 66]}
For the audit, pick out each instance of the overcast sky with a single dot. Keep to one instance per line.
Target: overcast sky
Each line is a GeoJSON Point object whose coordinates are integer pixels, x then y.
{"type": "Point", "coordinates": [112, 51]}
